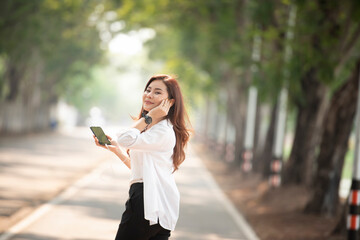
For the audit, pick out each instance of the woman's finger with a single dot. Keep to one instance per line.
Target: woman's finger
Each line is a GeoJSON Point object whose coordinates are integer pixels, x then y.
{"type": "Point", "coordinates": [113, 142]}
{"type": "Point", "coordinates": [97, 142]}
{"type": "Point", "coordinates": [167, 103]}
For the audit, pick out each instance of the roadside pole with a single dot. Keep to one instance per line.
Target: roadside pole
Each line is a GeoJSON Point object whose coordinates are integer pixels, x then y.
{"type": "Point", "coordinates": [277, 161]}
{"type": "Point", "coordinates": [280, 123]}
{"type": "Point", "coordinates": [248, 153]}
{"type": "Point", "coordinates": [353, 218]}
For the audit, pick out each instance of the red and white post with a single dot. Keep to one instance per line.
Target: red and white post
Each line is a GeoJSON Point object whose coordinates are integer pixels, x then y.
{"type": "Point", "coordinates": [247, 154]}
{"type": "Point", "coordinates": [280, 123]}
{"type": "Point", "coordinates": [353, 220]}
{"type": "Point", "coordinates": [280, 126]}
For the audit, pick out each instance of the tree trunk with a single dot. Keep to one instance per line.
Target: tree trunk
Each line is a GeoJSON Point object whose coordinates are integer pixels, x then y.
{"type": "Point", "coordinates": [14, 75]}
{"type": "Point", "coordinates": [300, 167]}
{"type": "Point", "coordinates": [207, 117]}
{"type": "Point", "coordinates": [266, 155]}
{"type": "Point", "coordinates": [340, 227]}
{"type": "Point", "coordinates": [334, 145]}
{"type": "Point", "coordinates": [237, 115]}
{"type": "Point", "coordinates": [257, 148]}
{"type": "Point", "coordinates": [26, 106]}
{"type": "Point", "coordinates": [239, 128]}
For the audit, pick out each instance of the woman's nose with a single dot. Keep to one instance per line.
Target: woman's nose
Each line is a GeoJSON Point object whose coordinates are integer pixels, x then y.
{"type": "Point", "coordinates": [149, 95]}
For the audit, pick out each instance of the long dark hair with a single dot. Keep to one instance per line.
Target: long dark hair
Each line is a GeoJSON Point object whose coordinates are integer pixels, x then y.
{"type": "Point", "coordinates": [177, 116]}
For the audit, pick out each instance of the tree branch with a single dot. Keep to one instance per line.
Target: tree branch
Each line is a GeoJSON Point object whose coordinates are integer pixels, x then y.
{"type": "Point", "coordinates": [348, 49]}
{"type": "Point", "coordinates": [345, 33]}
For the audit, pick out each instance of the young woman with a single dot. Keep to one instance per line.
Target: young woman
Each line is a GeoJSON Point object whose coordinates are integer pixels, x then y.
{"type": "Point", "coordinates": [155, 146]}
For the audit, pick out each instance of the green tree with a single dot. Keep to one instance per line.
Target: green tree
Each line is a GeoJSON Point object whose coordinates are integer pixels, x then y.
{"type": "Point", "coordinates": [321, 32]}
{"type": "Point", "coordinates": [43, 45]}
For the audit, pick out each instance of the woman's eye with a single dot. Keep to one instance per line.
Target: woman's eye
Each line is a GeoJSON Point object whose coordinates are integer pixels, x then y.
{"type": "Point", "coordinates": [147, 90]}
{"type": "Point", "coordinates": [157, 92]}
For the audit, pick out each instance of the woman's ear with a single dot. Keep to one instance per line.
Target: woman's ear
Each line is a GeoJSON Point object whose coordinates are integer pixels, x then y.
{"type": "Point", "coordinates": [172, 101]}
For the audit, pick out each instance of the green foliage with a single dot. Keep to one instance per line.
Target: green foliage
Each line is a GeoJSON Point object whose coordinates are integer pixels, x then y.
{"type": "Point", "coordinates": [322, 29]}
{"type": "Point", "coordinates": [91, 90]}
{"type": "Point", "coordinates": [207, 43]}
{"type": "Point", "coordinates": [207, 38]}
{"type": "Point", "coordinates": [59, 34]}
{"type": "Point", "coordinates": [348, 165]}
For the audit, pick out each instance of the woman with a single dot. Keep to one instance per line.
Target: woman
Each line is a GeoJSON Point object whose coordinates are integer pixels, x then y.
{"type": "Point", "coordinates": [155, 146]}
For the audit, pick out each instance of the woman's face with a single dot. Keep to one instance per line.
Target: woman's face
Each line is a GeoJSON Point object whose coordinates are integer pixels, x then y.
{"type": "Point", "coordinates": [154, 94]}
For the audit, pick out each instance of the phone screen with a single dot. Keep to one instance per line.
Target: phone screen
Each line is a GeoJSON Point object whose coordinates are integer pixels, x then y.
{"type": "Point", "coordinates": [100, 135]}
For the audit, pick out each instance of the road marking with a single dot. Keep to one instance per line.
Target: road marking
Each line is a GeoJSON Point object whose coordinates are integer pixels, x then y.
{"type": "Point", "coordinates": [229, 206]}
{"type": "Point", "coordinates": [44, 208]}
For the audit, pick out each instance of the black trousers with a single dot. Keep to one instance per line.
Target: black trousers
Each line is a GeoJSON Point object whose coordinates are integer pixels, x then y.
{"type": "Point", "coordinates": [133, 225]}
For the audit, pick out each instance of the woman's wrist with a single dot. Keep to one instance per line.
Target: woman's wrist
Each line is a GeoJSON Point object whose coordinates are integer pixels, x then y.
{"type": "Point", "coordinates": [140, 124]}
{"type": "Point", "coordinates": [155, 119]}
{"type": "Point", "coordinates": [121, 155]}
{"type": "Point", "coordinates": [119, 152]}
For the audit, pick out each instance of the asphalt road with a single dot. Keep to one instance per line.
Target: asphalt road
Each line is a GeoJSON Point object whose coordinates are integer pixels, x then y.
{"type": "Point", "coordinates": [88, 187]}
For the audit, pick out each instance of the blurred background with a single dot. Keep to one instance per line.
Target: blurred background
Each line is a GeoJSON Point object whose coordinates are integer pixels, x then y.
{"type": "Point", "coordinates": [271, 87]}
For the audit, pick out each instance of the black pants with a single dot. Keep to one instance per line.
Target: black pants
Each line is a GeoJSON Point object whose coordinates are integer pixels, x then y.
{"type": "Point", "coordinates": [133, 225]}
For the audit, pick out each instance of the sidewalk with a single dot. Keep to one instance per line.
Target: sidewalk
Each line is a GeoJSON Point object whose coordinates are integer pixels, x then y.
{"type": "Point", "coordinates": [91, 208]}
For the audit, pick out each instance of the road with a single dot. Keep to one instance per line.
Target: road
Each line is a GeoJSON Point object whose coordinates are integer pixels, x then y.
{"type": "Point", "coordinates": [90, 206]}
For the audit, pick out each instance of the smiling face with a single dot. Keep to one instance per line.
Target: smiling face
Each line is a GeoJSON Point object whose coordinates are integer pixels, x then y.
{"type": "Point", "coordinates": [154, 94]}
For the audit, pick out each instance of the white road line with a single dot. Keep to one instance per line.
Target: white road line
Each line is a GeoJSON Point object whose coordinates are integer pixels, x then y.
{"type": "Point", "coordinates": [44, 208]}
{"type": "Point", "coordinates": [238, 218]}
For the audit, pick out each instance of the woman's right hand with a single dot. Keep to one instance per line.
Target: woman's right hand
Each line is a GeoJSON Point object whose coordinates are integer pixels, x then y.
{"type": "Point", "coordinates": [114, 147]}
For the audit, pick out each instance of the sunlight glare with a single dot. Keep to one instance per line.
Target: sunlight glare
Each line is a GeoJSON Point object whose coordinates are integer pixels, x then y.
{"type": "Point", "coordinates": [125, 44]}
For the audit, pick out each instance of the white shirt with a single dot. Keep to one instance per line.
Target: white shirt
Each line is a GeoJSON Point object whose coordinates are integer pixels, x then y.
{"type": "Point", "coordinates": [151, 159]}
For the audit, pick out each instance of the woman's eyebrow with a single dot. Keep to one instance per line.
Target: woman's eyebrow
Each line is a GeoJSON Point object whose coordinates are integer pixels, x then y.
{"type": "Point", "coordinates": [155, 88]}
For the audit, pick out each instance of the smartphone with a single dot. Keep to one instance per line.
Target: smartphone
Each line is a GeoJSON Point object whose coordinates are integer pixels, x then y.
{"type": "Point", "coordinates": [100, 135]}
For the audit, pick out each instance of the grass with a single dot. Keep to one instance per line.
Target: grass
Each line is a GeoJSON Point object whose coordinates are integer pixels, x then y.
{"type": "Point", "coordinates": [348, 164]}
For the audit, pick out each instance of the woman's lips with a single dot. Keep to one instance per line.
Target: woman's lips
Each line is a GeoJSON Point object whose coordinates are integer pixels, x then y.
{"type": "Point", "coordinates": [148, 102]}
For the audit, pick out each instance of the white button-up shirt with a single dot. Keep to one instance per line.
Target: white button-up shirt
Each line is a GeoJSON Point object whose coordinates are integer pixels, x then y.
{"type": "Point", "coordinates": [151, 159]}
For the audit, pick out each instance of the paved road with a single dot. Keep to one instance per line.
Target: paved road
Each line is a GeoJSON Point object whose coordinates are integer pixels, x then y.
{"type": "Point", "coordinates": [36, 167]}
{"type": "Point", "coordinates": [91, 208]}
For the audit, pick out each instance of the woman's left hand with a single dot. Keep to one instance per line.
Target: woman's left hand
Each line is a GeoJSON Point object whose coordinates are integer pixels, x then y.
{"type": "Point", "coordinates": [162, 110]}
